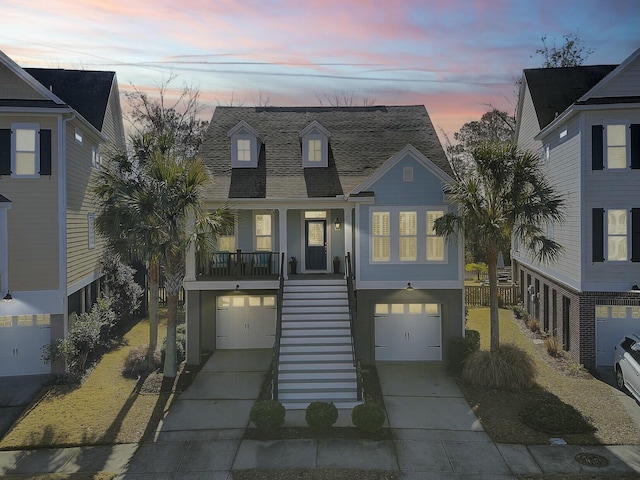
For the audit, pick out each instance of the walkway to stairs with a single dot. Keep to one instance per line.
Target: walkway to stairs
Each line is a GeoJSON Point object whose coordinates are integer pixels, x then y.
{"type": "Point", "coordinates": [316, 359]}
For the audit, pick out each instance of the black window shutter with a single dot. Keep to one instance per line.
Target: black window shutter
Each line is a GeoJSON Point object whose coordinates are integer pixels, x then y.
{"type": "Point", "coordinates": [635, 234]}
{"type": "Point", "coordinates": [5, 152]}
{"type": "Point", "coordinates": [598, 234]}
{"type": "Point", "coordinates": [597, 154]}
{"type": "Point", "coordinates": [45, 152]}
{"type": "Point", "coordinates": [635, 145]}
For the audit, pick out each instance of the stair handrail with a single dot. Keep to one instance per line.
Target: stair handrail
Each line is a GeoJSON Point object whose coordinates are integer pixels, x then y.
{"type": "Point", "coordinates": [352, 322]}
{"type": "Point", "coordinates": [276, 344]}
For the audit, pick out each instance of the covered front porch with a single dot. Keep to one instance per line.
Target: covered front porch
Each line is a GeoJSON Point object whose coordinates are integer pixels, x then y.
{"type": "Point", "coordinates": [264, 244]}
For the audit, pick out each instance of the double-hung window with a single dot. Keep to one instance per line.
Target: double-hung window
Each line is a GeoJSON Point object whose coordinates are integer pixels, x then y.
{"type": "Point", "coordinates": [381, 236]}
{"type": "Point", "coordinates": [243, 149]}
{"type": "Point", "coordinates": [314, 151]}
{"type": "Point", "coordinates": [91, 221]}
{"type": "Point", "coordinates": [263, 232]}
{"type": "Point", "coordinates": [408, 237]}
{"type": "Point", "coordinates": [615, 146]}
{"type": "Point", "coordinates": [26, 150]}
{"type": "Point", "coordinates": [227, 242]}
{"type": "Point", "coordinates": [435, 243]}
{"type": "Point", "coordinates": [617, 235]}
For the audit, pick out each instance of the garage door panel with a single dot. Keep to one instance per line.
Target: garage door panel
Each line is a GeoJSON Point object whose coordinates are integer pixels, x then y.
{"type": "Point", "coordinates": [21, 340]}
{"type": "Point", "coordinates": [612, 323]}
{"type": "Point", "coordinates": [245, 321]}
{"type": "Point", "coordinates": [408, 332]}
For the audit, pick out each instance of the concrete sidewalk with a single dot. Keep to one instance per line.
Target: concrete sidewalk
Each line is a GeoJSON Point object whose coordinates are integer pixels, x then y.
{"type": "Point", "coordinates": [436, 435]}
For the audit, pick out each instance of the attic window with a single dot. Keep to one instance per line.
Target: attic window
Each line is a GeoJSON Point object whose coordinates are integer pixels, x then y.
{"type": "Point", "coordinates": [78, 136]}
{"type": "Point", "coordinates": [315, 145]}
{"type": "Point", "coordinates": [407, 174]}
{"type": "Point", "coordinates": [563, 133]}
{"type": "Point", "coordinates": [245, 146]}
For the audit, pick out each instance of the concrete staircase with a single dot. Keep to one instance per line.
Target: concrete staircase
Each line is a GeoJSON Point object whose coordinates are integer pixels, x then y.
{"type": "Point", "coordinates": [316, 360]}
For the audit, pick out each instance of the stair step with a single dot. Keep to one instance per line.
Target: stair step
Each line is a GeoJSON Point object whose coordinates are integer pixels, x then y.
{"type": "Point", "coordinates": [316, 282]}
{"type": "Point", "coordinates": [314, 309]}
{"type": "Point", "coordinates": [313, 288]}
{"type": "Point", "coordinates": [315, 324]}
{"type": "Point", "coordinates": [316, 332]}
{"type": "Point", "coordinates": [325, 340]}
{"type": "Point", "coordinates": [316, 366]}
{"type": "Point", "coordinates": [315, 357]}
{"type": "Point", "coordinates": [320, 347]}
{"type": "Point", "coordinates": [328, 384]}
{"type": "Point", "coordinates": [303, 404]}
{"type": "Point", "coordinates": [338, 294]}
{"type": "Point", "coordinates": [313, 375]}
{"type": "Point", "coordinates": [287, 317]}
{"type": "Point", "coordinates": [314, 395]}
{"type": "Point", "coordinates": [320, 302]}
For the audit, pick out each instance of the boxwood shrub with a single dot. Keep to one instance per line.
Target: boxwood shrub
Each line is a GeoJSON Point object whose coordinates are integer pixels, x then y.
{"type": "Point", "coordinates": [321, 415]}
{"type": "Point", "coordinates": [368, 417]}
{"type": "Point", "coordinates": [267, 414]}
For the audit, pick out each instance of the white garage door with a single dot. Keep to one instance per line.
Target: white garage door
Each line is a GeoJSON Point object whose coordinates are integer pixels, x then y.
{"type": "Point", "coordinates": [21, 340]}
{"type": "Point", "coordinates": [408, 332]}
{"type": "Point", "coordinates": [245, 321]}
{"type": "Point", "coordinates": [612, 323]}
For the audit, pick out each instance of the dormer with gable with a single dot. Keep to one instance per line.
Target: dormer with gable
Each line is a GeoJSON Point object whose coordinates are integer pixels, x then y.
{"type": "Point", "coordinates": [245, 145]}
{"type": "Point", "coordinates": [315, 145]}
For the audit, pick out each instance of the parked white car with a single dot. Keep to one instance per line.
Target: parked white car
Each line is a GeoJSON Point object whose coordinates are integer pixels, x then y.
{"type": "Point", "coordinates": [627, 355]}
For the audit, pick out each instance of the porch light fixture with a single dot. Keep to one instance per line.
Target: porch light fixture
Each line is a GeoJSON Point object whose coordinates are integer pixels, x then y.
{"type": "Point", "coordinates": [409, 287]}
{"type": "Point", "coordinates": [337, 225]}
{"type": "Point", "coordinates": [237, 287]}
{"type": "Point", "coordinates": [7, 297]}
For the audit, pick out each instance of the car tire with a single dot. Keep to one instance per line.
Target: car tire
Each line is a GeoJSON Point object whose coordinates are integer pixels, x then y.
{"type": "Point", "coordinates": [619, 378]}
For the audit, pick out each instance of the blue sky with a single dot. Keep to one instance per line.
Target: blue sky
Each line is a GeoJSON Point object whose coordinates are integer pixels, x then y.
{"type": "Point", "coordinates": [454, 57]}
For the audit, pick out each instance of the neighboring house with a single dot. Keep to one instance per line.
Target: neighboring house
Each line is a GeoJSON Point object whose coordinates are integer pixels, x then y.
{"type": "Point", "coordinates": [54, 127]}
{"type": "Point", "coordinates": [585, 123]}
{"type": "Point", "coordinates": [362, 185]}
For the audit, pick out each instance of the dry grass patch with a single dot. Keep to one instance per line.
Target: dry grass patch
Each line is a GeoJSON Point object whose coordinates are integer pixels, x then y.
{"type": "Point", "coordinates": [105, 409]}
{"type": "Point", "coordinates": [63, 476]}
{"type": "Point", "coordinates": [499, 411]}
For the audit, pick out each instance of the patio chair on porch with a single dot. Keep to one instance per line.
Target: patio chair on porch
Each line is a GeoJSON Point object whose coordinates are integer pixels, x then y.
{"type": "Point", "coordinates": [220, 264]}
{"type": "Point", "coordinates": [261, 263]}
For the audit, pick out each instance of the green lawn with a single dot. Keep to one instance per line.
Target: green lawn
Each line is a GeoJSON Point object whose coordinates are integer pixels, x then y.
{"type": "Point", "coordinates": [105, 409]}
{"type": "Point", "coordinates": [498, 410]}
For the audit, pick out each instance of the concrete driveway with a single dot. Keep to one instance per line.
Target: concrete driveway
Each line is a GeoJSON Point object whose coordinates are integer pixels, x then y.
{"type": "Point", "coordinates": [16, 394]}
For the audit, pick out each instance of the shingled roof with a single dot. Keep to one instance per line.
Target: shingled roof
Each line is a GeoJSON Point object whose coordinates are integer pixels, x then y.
{"type": "Point", "coordinates": [553, 90]}
{"type": "Point", "coordinates": [85, 91]}
{"type": "Point", "coordinates": [362, 139]}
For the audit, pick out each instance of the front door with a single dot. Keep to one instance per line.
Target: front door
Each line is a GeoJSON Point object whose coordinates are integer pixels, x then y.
{"type": "Point", "coordinates": [315, 244]}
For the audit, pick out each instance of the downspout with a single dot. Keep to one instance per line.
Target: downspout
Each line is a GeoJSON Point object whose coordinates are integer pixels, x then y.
{"type": "Point", "coordinates": [62, 217]}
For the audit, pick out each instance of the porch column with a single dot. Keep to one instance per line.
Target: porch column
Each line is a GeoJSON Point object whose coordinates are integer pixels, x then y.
{"type": "Point", "coordinates": [282, 226]}
{"type": "Point", "coordinates": [348, 234]}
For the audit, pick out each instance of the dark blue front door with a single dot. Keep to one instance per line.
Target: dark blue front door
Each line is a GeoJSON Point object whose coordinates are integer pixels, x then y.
{"type": "Point", "coordinates": [315, 244]}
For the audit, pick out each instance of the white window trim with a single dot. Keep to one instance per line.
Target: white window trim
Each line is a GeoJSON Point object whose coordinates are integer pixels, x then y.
{"type": "Point", "coordinates": [91, 222]}
{"type": "Point", "coordinates": [324, 162]}
{"type": "Point", "coordinates": [394, 237]}
{"type": "Point", "coordinates": [605, 145]}
{"type": "Point", "coordinates": [25, 126]}
{"type": "Point", "coordinates": [606, 235]}
{"type": "Point", "coordinates": [254, 233]}
{"type": "Point", "coordinates": [253, 150]}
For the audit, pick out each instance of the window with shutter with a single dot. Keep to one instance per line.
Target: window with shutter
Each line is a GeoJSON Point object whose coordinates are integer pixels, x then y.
{"type": "Point", "coordinates": [435, 243]}
{"type": "Point", "coordinates": [5, 151]}
{"type": "Point", "coordinates": [381, 236]}
{"type": "Point", "coordinates": [635, 234]}
{"type": "Point", "coordinates": [408, 238]}
{"type": "Point", "coordinates": [597, 220]}
{"type": "Point", "coordinates": [617, 235]}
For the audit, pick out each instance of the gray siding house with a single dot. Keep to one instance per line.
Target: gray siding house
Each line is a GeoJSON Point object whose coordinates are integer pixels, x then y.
{"type": "Point", "coordinates": [585, 122]}
{"type": "Point", "coordinates": [332, 260]}
{"type": "Point", "coordinates": [54, 126]}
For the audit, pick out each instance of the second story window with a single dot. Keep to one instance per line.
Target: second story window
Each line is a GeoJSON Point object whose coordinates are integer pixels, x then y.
{"type": "Point", "coordinates": [26, 152]}
{"type": "Point", "coordinates": [315, 150]}
{"type": "Point", "coordinates": [616, 235]}
{"type": "Point", "coordinates": [615, 146]}
{"type": "Point", "coordinates": [263, 232]}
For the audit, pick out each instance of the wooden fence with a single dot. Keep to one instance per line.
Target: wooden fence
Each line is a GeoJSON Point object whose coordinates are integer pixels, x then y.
{"type": "Point", "coordinates": [162, 296]}
{"type": "Point", "coordinates": [478, 295]}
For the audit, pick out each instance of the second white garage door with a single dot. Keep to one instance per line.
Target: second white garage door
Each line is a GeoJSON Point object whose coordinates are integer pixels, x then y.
{"type": "Point", "coordinates": [245, 321]}
{"type": "Point", "coordinates": [612, 323]}
{"type": "Point", "coordinates": [408, 332]}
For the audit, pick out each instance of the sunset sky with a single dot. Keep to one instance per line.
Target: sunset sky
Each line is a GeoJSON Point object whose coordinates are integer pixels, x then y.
{"type": "Point", "coordinates": [454, 57]}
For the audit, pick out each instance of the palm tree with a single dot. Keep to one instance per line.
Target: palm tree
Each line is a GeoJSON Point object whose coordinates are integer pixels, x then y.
{"type": "Point", "coordinates": [503, 195]}
{"type": "Point", "coordinates": [175, 189]}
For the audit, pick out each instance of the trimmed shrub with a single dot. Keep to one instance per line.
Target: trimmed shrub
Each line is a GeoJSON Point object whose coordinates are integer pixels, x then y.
{"type": "Point", "coordinates": [552, 346]}
{"type": "Point", "coordinates": [534, 325]}
{"type": "Point", "coordinates": [119, 282]}
{"type": "Point", "coordinates": [181, 343]}
{"type": "Point", "coordinates": [459, 349]}
{"type": "Point", "coordinates": [141, 362]}
{"type": "Point", "coordinates": [520, 313]}
{"type": "Point", "coordinates": [267, 414]}
{"type": "Point", "coordinates": [547, 413]}
{"type": "Point", "coordinates": [321, 415]}
{"type": "Point", "coordinates": [508, 368]}
{"type": "Point", "coordinates": [368, 417]}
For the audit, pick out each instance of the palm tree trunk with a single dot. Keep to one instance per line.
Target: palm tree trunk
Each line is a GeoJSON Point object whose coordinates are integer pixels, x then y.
{"type": "Point", "coordinates": [154, 280]}
{"type": "Point", "coordinates": [492, 260]}
{"type": "Point", "coordinates": [173, 282]}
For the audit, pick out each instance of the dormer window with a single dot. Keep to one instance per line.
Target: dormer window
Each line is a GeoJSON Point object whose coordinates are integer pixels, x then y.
{"type": "Point", "coordinates": [245, 146]}
{"type": "Point", "coordinates": [315, 145]}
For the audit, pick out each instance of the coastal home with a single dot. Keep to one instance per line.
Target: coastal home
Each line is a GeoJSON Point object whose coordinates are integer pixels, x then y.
{"type": "Point", "coordinates": [585, 122]}
{"type": "Point", "coordinates": [333, 261]}
{"type": "Point", "coordinates": [54, 127]}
